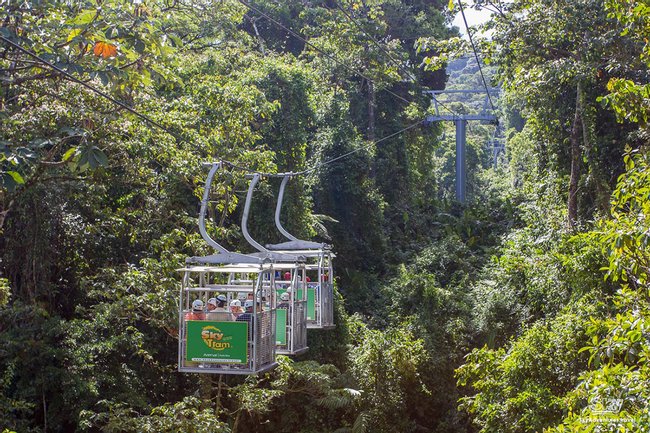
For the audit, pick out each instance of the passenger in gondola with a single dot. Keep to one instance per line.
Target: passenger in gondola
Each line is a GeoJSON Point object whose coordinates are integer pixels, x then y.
{"type": "Point", "coordinates": [235, 308]}
{"type": "Point", "coordinates": [284, 298]}
{"type": "Point", "coordinates": [222, 302]}
{"type": "Point", "coordinates": [247, 316]}
{"type": "Point", "coordinates": [211, 309]}
{"type": "Point", "coordinates": [217, 308]}
{"type": "Point", "coordinates": [197, 312]}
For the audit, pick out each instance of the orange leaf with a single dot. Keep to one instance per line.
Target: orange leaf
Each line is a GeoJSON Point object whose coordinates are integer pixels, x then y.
{"type": "Point", "coordinates": [105, 50]}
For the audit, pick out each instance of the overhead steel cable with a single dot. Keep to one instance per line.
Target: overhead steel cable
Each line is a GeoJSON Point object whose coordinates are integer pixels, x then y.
{"type": "Point", "coordinates": [390, 57]}
{"type": "Point", "coordinates": [83, 83]}
{"type": "Point", "coordinates": [377, 44]}
{"type": "Point", "coordinates": [480, 69]}
{"type": "Point", "coordinates": [345, 155]}
{"type": "Point", "coordinates": [117, 102]}
{"type": "Point", "coordinates": [329, 56]}
{"type": "Point", "coordinates": [178, 137]}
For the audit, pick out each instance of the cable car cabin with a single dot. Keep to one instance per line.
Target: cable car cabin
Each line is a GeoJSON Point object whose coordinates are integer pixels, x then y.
{"type": "Point", "coordinates": [291, 312]}
{"type": "Point", "coordinates": [226, 341]}
{"type": "Point", "coordinates": [320, 287]}
{"type": "Point", "coordinates": [320, 275]}
{"type": "Point", "coordinates": [323, 292]}
{"type": "Point", "coordinates": [227, 318]}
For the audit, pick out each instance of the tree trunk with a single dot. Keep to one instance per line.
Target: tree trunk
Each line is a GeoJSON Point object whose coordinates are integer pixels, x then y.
{"type": "Point", "coordinates": [259, 37]}
{"type": "Point", "coordinates": [572, 202]}
{"type": "Point", "coordinates": [598, 184]}
{"type": "Point", "coordinates": [217, 408]}
{"type": "Point", "coordinates": [371, 111]}
{"type": "Point", "coordinates": [206, 390]}
{"type": "Point", "coordinates": [3, 214]}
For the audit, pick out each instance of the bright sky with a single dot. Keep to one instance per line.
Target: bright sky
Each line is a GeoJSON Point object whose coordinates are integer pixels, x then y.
{"type": "Point", "coordinates": [473, 17]}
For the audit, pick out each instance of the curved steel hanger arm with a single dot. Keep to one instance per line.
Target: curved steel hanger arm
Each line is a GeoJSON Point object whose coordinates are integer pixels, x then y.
{"type": "Point", "coordinates": [224, 256]}
{"type": "Point", "coordinates": [294, 243]}
{"type": "Point", "coordinates": [278, 210]}
{"type": "Point", "coordinates": [204, 207]}
{"type": "Point", "coordinates": [244, 218]}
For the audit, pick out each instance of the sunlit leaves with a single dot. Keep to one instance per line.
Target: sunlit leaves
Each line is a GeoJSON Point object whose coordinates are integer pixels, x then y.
{"type": "Point", "coordinates": [104, 50]}
{"type": "Point", "coordinates": [68, 32]}
{"type": "Point", "coordinates": [439, 52]}
{"type": "Point", "coordinates": [629, 100]}
{"type": "Point", "coordinates": [87, 157]}
{"type": "Point", "coordinates": [11, 179]}
{"type": "Point", "coordinates": [615, 388]}
{"type": "Point", "coordinates": [521, 388]}
{"type": "Point", "coordinates": [388, 366]}
{"type": "Point", "coordinates": [626, 237]}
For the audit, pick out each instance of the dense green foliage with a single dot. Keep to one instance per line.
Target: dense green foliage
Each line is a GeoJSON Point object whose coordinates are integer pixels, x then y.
{"type": "Point", "coordinates": [525, 310]}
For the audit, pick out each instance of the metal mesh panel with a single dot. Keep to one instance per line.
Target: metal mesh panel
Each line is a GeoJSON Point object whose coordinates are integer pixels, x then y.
{"type": "Point", "coordinates": [327, 304]}
{"type": "Point", "coordinates": [265, 337]}
{"type": "Point", "coordinates": [300, 330]}
{"type": "Point", "coordinates": [261, 351]}
{"type": "Point", "coordinates": [318, 314]}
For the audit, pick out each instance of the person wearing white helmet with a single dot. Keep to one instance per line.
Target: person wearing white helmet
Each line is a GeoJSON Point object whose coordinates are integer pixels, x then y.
{"type": "Point", "coordinates": [235, 308]}
{"type": "Point", "coordinates": [247, 316]}
{"type": "Point", "coordinates": [221, 302]}
{"type": "Point", "coordinates": [197, 312]}
{"type": "Point", "coordinates": [284, 298]}
{"type": "Point", "coordinates": [216, 308]}
{"type": "Point", "coordinates": [218, 303]}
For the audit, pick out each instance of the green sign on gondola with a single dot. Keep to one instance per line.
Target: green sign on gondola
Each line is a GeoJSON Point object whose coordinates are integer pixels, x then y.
{"type": "Point", "coordinates": [281, 326]}
{"type": "Point", "coordinates": [311, 304]}
{"type": "Point", "coordinates": [311, 301]}
{"type": "Point", "coordinates": [218, 342]}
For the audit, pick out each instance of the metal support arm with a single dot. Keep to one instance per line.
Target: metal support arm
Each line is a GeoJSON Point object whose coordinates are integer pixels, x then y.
{"type": "Point", "coordinates": [244, 218]}
{"type": "Point", "coordinates": [204, 207]}
{"type": "Point", "coordinates": [278, 209]}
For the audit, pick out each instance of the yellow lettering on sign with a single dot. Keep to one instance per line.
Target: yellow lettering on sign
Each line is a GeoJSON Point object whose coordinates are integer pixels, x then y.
{"type": "Point", "coordinates": [212, 337]}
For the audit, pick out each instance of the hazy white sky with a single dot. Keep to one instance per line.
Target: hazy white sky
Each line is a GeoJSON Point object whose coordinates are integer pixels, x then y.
{"type": "Point", "coordinates": [473, 17]}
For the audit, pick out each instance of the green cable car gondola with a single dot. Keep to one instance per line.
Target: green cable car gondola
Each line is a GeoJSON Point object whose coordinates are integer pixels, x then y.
{"type": "Point", "coordinates": [226, 341]}
{"type": "Point", "coordinates": [291, 312]}
{"type": "Point", "coordinates": [292, 315]}
{"type": "Point", "coordinates": [229, 342]}
{"type": "Point", "coordinates": [320, 292]}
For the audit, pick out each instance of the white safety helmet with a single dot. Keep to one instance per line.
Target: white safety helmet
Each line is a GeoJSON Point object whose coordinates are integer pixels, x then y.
{"type": "Point", "coordinates": [212, 301]}
{"type": "Point", "coordinates": [285, 296]}
{"type": "Point", "coordinates": [241, 296]}
{"type": "Point", "coordinates": [222, 298]}
{"type": "Point", "coordinates": [197, 304]}
{"type": "Point", "coordinates": [248, 304]}
{"type": "Point", "coordinates": [235, 303]}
